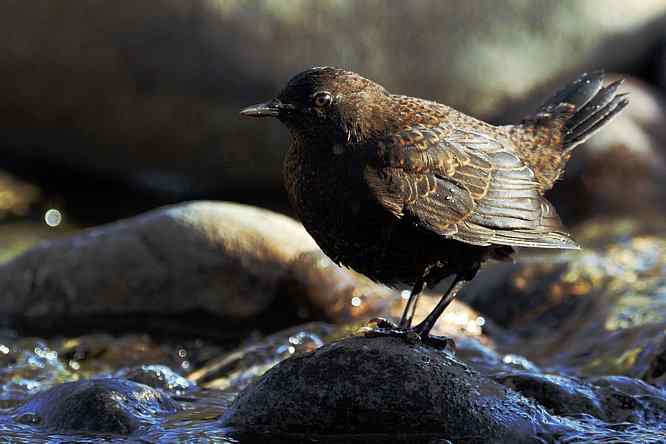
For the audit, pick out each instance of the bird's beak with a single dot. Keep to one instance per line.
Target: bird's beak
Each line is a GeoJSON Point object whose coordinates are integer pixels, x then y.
{"type": "Point", "coordinates": [267, 109]}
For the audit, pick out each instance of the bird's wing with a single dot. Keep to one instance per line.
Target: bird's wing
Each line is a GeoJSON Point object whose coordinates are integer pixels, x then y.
{"type": "Point", "coordinates": [464, 185]}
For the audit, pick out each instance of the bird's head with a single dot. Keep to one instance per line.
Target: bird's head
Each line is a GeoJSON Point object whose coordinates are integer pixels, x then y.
{"type": "Point", "coordinates": [328, 102]}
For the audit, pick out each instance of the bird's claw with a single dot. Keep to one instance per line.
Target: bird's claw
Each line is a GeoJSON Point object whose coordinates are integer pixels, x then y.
{"type": "Point", "coordinates": [383, 323]}
{"type": "Point", "coordinates": [412, 337]}
{"type": "Point", "coordinates": [440, 343]}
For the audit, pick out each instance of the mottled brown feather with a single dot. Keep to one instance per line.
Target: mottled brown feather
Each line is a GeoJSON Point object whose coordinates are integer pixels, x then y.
{"type": "Point", "coordinates": [467, 185]}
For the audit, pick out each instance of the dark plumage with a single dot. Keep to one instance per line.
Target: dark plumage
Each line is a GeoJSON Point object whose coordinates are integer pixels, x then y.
{"type": "Point", "coordinates": [410, 191]}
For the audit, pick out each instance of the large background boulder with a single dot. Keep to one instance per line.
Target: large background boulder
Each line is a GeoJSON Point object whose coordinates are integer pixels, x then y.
{"type": "Point", "coordinates": [147, 94]}
{"type": "Point", "coordinates": [205, 260]}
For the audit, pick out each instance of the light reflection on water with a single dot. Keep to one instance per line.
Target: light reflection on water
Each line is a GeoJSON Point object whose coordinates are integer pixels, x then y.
{"type": "Point", "coordinates": [199, 420]}
{"type": "Point", "coordinates": [627, 276]}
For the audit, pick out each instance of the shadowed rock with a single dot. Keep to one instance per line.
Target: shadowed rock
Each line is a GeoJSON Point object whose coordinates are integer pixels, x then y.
{"type": "Point", "coordinates": [212, 260]}
{"type": "Point", "coordinates": [225, 258]}
{"type": "Point", "coordinates": [114, 406]}
{"type": "Point", "coordinates": [384, 386]}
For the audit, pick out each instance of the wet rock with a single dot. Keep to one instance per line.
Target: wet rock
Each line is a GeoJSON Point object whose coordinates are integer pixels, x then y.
{"type": "Point", "coordinates": [153, 87]}
{"type": "Point", "coordinates": [612, 399]}
{"type": "Point", "coordinates": [383, 385]}
{"type": "Point", "coordinates": [202, 261]}
{"type": "Point", "coordinates": [630, 400]}
{"type": "Point", "coordinates": [157, 376]}
{"type": "Point", "coordinates": [224, 258]}
{"type": "Point", "coordinates": [559, 394]}
{"type": "Point", "coordinates": [114, 406]}
{"type": "Point", "coordinates": [650, 364]}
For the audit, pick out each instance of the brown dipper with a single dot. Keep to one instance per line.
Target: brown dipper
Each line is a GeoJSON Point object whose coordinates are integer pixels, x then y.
{"type": "Point", "coordinates": [410, 191]}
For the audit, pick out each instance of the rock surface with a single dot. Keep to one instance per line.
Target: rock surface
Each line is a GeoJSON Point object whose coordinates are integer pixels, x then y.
{"type": "Point", "coordinates": [384, 386]}
{"type": "Point", "coordinates": [204, 259]}
{"type": "Point", "coordinates": [225, 258]}
{"type": "Point", "coordinates": [113, 406]}
{"type": "Point", "coordinates": [143, 89]}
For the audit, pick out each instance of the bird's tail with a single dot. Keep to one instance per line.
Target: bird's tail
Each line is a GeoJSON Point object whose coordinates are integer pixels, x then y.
{"type": "Point", "coordinates": [568, 118]}
{"type": "Point", "coordinates": [582, 108]}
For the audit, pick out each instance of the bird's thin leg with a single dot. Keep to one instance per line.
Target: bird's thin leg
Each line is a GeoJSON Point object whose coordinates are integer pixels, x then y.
{"type": "Point", "coordinates": [410, 308]}
{"type": "Point", "coordinates": [423, 329]}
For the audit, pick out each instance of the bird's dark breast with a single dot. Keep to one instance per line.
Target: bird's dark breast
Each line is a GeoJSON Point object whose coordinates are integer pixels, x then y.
{"type": "Point", "coordinates": [336, 207]}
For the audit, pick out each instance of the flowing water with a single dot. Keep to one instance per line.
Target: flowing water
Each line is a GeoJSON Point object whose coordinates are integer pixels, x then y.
{"type": "Point", "coordinates": [598, 315]}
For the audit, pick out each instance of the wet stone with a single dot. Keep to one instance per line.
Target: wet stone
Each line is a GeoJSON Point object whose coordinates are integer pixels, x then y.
{"type": "Point", "coordinates": [113, 406]}
{"type": "Point", "coordinates": [561, 395]}
{"type": "Point", "coordinates": [383, 385]}
{"type": "Point", "coordinates": [234, 262]}
{"type": "Point", "coordinates": [157, 376]}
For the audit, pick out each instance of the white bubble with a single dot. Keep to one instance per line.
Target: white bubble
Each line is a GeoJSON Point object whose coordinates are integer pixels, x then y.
{"type": "Point", "coordinates": [356, 301]}
{"type": "Point", "coordinates": [53, 217]}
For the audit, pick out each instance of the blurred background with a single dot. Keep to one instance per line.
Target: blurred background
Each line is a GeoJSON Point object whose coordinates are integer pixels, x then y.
{"type": "Point", "coordinates": [108, 109]}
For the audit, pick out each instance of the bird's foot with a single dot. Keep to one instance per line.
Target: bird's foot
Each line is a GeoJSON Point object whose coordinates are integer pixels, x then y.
{"type": "Point", "coordinates": [411, 336]}
{"type": "Point", "coordinates": [440, 343]}
{"type": "Point", "coordinates": [389, 328]}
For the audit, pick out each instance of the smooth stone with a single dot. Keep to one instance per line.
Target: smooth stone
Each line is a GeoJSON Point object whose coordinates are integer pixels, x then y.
{"type": "Point", "coordinates": [224, 258]}
{"type": "Point", "coordinates": [561, 395]}
{"type": "Point", "coordinates": [180, 269]}
{"type": "Point", "coordinates": [114, 406]}
{"type": "Point", "coordinates": [383, 385]}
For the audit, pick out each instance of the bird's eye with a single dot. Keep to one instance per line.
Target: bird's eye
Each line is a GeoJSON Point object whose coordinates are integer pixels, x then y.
{"type": "Point", "coordinates": [322, 99]}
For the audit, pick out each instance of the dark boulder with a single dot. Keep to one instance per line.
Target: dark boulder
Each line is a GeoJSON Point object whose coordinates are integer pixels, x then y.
{"type": "Point", "coordinates": [385, 386]}
{"type": "Point", "coordinates": [114, 406]}
{"type": "Point", "coordinates": [179, 270]}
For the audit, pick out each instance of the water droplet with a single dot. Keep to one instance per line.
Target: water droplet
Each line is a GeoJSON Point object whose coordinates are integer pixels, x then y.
{"type": "Point", "coordinates": [53, 217]}
{"type": "Point", "coordinates": [356, 301]}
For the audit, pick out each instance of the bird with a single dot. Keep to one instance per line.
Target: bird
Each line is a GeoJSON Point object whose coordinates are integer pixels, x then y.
{"type": "Point", "coordinates": [410, 192]}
